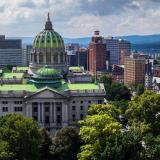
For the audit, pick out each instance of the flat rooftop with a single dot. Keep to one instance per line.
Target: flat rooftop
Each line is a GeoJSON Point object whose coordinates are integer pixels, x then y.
{"type": "Point", "coordinates": [34, 88]}
{"type": "Point", "coordinates": [12, 75]}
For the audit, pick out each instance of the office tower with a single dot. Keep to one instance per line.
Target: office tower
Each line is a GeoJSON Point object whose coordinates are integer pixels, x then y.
{"type": "Point", "coordinates": [112, 46]}
{"type": "Point", "coordinates": [72, 47]}
{"type": "Point", "coordinates": [10, 51]}
{"type": "Point", "coordinates": [134, 71]}
{"type": "Point", "coordinates": [71, 50]}
{"type": "Point", "coordinates": [97, 54]}
{"type": "Point", "coordinates": [26, 55]}
{"type": "Point", "coordinates": [124, 49]}
{"type": "Point", "coordinates": [78, 58]}
{"type": "Point", "coordinates": [118, 49]}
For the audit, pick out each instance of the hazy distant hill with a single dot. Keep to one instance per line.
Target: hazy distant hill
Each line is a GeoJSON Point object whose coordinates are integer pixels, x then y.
{"type": "Point", "coordinates": [134, 39]}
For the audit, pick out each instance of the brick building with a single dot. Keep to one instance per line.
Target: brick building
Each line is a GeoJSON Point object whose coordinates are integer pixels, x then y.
{"type": "Point", "coordinates": [134, 71]}
{"type": "Point", "coordinates": [97, 54]}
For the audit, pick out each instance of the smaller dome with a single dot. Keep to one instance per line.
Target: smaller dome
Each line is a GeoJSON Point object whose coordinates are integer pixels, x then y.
{"type": "Point", "coordinates": [47, 72]}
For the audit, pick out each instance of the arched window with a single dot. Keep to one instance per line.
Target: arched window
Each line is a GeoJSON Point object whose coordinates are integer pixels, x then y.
{"type": "Point", "coordinates": [40, 58]}
{"type": "Point", "coordinates": [48, 58]}
{"type": "Point", "coordinates": [61, 58]}
{"type": "Point", "coordinates": [35, 58]}
{"type": "Point", "coordinates": [56, 59]}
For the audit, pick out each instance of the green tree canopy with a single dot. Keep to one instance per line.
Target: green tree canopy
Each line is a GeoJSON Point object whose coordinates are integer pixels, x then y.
{"type": "Point", "coordinates": [115, 91]}
{"type": "Point", "coordinates": [66, 144]}
{"type": "Point", "coordinates": [19, 138]}
{"type": "Point", "coordinates": [140, 89]}
{"type": "Point", "coordinates": [105, 138]}
{"type": "Point", "coordinates": [144, 111]}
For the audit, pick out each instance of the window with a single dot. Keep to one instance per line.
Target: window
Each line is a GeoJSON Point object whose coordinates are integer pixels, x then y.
{"type": "Point", "coordinates": [58, 119]}
{"type": "Point", "coordinates": [58, 108]}
{"type": "Point", "coordinates": [17, 102]}
{"type": "Point", "coordinates": [46, 109]}
{"type": "Point", "coordinates": [35, 109]}
{"type": "Point", "coordinates": [99, 101]}
{"type": "Point", "coordinates": [89, 101]}
{"type": "Point", "coordinates": [73, 102]}
{"type": "Point", "coordinates": [81, 101]}
{"type": "Point", "coordinates": [5, 109]}
{"type": "Point", "coordinates": [18, 109]}
{"type": "Point", "coordinates": [81, 116]}
{"type": "Point", "coordinates": [81, 107]}
{"type": "Point", "coordinates": [4, 102]}
{"type": "Point", "coordinates": [73, 117]}
{"type": "Point", "coordinates": [46, 119]}
{"type": "Point", "coordinates": [73, 108]}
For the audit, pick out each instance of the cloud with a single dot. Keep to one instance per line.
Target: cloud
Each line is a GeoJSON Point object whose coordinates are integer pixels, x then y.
{"type": "Point", "coordinates": [78, 18]}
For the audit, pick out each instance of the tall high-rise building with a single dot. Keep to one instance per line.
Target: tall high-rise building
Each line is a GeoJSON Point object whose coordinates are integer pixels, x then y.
{"type": "Point", "coordinates": [97, 54]}
{"type": "Point", "coordinates": [124, 49]}
{"type": "Point", "coordinates": [117, 49]}
{"type": "Point", "coordinates": [26, 55]}
{"type": "Point", "coordinates": [10, 51]}
{"type": "Point", "coordinates": [78, 58]}
{"type": "Point", "coordinates": [112, 47]}
{"type": "Point", "coordinates": [134, 71]}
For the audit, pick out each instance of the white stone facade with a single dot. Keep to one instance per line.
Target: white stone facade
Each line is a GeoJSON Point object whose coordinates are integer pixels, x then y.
{"type": "Point", "coordinates": [50, 108]}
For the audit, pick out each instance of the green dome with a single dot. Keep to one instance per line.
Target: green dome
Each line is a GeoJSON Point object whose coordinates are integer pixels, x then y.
{"type": "Point", "coordinates": [48, 39]}
{"type": "Point", "coordinates": [47, 72]}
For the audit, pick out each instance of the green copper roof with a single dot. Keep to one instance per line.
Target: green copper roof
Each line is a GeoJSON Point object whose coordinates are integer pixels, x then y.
{"type": "Point", "coordinates": [34, 88]}
{"type": "Point", "coordinates": [18, 87]}
{"type": "Point", "coordinates": [48, 39]}
{"type": "Point", "coordinates": [47, 71]}
{"type": "Point", "coordinates": [12, 75]}
{"type": "Point", "coordinates": [75, 69]}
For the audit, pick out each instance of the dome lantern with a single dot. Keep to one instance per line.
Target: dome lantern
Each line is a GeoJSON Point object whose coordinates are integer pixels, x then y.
{"type": "Point", "coordinates": [48, 25]}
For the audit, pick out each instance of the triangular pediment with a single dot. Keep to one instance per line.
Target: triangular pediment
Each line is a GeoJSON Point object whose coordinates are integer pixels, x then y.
{"type": "Point", "coordinates": [47, 93]}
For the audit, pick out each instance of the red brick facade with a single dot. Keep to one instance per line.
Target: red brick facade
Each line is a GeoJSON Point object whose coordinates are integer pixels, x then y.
{"type": "Point", "coordinates": [97, 54]}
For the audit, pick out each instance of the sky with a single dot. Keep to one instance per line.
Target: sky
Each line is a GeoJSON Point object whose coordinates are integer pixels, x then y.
{"type": "Point", "coordinates": [79, 18]}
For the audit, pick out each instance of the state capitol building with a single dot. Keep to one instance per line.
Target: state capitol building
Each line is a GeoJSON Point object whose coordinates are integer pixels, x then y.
{"type": "Point", "coordinates": [49, 91]}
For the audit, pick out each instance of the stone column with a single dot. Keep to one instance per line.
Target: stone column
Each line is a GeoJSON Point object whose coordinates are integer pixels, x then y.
{"type": "Point", "coordinates": [55, 115]}
{"type": "Point", "coordinates": [52, 62]}
{"type": "Point", "coordinates": [39, 113]}
{"type": "Point", "coordinates": [42, 112]}
{"type": "Point", "coordinates": [44, 58]}
{"type": "Point", "coordinates": [50, 113]}
{"type": "Point", "coordinates": [38, 57]}
{"type": "Point", "coordinates": [64, 57]}
{"type": "Point", "coordinates": [64, 114]}
{"type": "Point", "coordinates": [29, 110]}
{"type": "Point", "coordinates": [58, 58]}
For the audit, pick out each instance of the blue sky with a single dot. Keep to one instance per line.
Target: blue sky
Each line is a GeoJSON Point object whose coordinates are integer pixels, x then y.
{"type": "Point", "coordinates": [79, 18]}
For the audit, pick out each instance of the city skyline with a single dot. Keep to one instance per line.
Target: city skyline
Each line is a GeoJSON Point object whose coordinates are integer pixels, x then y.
{"type": "Point", "coordinates": [80, 18]}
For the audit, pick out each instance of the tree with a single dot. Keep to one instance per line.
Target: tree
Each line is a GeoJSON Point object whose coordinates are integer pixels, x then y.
{"type": "Point", "coordinates": [115, 91]}
{"type": "Point", "coordinates": [5, 153]}
{"type": "Point", "coordinates": [144, 111]}
{"type": "Point", "coordinates": [45, 144]}
{"type": "Point", "coordinates": [144, 115]}
{"type": "Point", "coordinates": [140, 89]}
{"type": "Point", "coordinates": [152, 147]}
{"type": "Point", "coordinates": [19, 137]}
{"type": "Point", "coordinates": [105, 138]}
{"type": "Point", "coordinates": [66, 144]}
{"type": "Point", "coordinates": [119, 92]}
